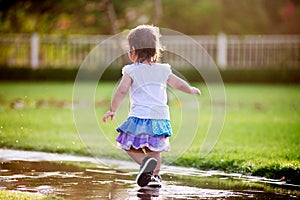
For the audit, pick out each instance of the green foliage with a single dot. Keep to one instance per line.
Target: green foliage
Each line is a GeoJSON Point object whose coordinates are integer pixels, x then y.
{"type": "Point", "coordinates": [274, 75]}
{"type": "Point", "coordinates": [189, 16]}
{"type": "Point", "coordinates": [54, 16]}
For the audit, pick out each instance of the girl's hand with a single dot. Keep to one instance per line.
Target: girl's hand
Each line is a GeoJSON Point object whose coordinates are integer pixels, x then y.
{"type": "Point", "coordinates": [110, 115]}
{"type": "Point", "coordinates": [195, 91]}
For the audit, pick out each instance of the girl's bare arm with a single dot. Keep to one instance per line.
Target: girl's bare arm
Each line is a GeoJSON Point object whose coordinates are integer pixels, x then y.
{"type": "Point", "coordinates": [118, 97]}
{"type": "Point", "coordinates": [180, 84]}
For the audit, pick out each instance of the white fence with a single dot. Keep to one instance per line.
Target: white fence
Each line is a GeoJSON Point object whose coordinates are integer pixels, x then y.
{"type": "Point", "coordinates": [227, 51]}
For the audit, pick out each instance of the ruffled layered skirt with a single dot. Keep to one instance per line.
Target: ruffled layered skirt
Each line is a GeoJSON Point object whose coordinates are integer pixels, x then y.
{"type": "Point", "coordinates": [141, 133]}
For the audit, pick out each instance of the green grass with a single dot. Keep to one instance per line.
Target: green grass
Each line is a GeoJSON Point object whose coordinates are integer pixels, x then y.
{"type": "Point", "coordinates": [12, 195]}
{"type": "Point", "coordinates": [261, 134]}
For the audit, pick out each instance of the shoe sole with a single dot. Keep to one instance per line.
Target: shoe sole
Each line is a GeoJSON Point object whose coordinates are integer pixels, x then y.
{"type": "Point", "coordinates": [154, 185]}
{"type": "Point", "coordinates": [148, 166]}
{"type": "Point", "coordinates": [155, 182]}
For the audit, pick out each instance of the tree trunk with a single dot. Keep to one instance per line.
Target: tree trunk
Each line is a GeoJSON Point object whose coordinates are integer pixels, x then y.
{"type": "Point", "coordinates": [111, 13]}
{"type": "Point", "coordinates": [158, 11]}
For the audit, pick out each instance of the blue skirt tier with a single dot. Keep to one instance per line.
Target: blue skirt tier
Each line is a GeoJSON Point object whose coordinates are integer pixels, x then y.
{"type": "Point", "coordinates": [155, 127]}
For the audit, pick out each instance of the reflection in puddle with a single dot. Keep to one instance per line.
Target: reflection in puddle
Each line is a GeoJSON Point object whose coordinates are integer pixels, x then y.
{"type": "Point", "coordinates": [184, 192]}
{"type": "Point", "coordinates": [73, 182]}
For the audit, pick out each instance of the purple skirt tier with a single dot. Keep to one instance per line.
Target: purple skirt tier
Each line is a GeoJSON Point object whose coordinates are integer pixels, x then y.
{"type": "Point", "coordinates": [154, 143]}
{"type": "Point", "coordinates": [139, 133]}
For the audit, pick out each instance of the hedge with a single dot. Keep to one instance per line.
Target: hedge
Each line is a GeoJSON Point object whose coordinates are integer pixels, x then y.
{"type": "Point", "coordinates": [266, 75]}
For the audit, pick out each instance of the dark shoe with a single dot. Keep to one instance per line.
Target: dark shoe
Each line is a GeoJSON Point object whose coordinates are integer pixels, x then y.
{"type": "Point", "coordinates": [155, 181]}
{"type": "Point", "coordinates": [146, 171]}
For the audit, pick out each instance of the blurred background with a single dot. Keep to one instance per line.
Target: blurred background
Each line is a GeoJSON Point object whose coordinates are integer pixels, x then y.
{"type": "Point", "coordinates": [191, 17]}
{"type": "Point", "coordinates": [248, 34]}
{"type": "Point", "coordinates": [253, 43]}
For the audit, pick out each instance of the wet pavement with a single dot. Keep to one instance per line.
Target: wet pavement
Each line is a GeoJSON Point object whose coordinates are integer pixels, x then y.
{"type": "Point", "coordinates": [76, 177]}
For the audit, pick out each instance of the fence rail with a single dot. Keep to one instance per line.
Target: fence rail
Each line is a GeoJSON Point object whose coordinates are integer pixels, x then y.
{"type": "Point", "coordinates": [227, 51]}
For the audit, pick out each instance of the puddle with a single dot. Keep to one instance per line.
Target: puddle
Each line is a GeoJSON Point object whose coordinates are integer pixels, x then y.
{"type": "Point", "coordinates": [60, 175]}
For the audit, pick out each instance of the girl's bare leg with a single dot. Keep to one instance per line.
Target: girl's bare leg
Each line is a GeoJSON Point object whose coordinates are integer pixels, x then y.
{"type": "Point", "coordinates": [157, 156]}
{"type": "Point", "coordinates": [138, 156]}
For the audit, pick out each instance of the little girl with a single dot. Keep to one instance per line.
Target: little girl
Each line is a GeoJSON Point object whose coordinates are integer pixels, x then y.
{"type": "Point", "coordinates": [145, 133]}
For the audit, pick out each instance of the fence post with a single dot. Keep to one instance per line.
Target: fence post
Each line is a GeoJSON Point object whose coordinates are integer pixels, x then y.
{"type": "Point", "coordinates": [222, 50]}
{"type": "Point", "coordinates": [34, 51]}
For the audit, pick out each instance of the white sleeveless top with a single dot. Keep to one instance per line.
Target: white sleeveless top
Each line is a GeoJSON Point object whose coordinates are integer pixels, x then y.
{"type": "Point", "coordinates": [148, 92]}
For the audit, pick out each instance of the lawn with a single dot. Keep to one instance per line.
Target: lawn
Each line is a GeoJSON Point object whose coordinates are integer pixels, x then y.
{"type": "Point", "coordinates": [13, 195]}
{"type": "Point", "coordinates": [260, 136]}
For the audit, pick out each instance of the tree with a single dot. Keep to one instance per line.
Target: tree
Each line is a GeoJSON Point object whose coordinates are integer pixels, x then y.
{"type": "Point", "coordinates": [189, 16]}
